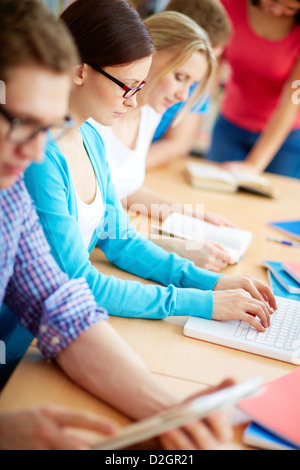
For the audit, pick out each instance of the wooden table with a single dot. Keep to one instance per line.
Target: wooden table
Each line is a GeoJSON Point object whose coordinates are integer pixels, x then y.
{"type": "Point", "coordinates": [165, 350]}
{"type": "Point", "coordinates": [38, 382]}
{"type": "Point", "coordinates": [183, 363]}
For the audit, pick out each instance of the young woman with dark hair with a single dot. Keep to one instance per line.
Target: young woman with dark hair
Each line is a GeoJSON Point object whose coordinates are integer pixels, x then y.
{"type": "Point", "coordinates": [116, 27]}
{"type": "Point", "coordinates": [183, 60]}
{"type": "Point", "coordinates": [79, 208]}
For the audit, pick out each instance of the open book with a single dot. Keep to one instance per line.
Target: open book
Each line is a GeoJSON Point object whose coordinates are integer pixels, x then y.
{"type": "Point", "coordinates": [208, 176]}
{"type": "Point", "coordinates": [235, 241]}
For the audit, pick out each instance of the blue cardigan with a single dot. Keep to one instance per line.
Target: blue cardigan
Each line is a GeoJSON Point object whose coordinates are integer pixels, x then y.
{"type": "Point", "coordinates": [189, 289]}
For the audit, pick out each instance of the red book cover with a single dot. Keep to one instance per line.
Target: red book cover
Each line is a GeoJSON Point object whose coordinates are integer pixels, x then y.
{"type": "Point", "coordinates": [293, 270]}
{"type": "Point", "coordinates": [277, 408]}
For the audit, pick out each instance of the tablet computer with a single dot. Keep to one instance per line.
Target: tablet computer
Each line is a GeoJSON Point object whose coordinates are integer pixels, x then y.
{"type": "Point", "coordinates": [179, 415]}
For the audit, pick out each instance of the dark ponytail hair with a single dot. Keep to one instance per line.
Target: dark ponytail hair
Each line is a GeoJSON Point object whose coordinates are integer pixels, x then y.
{"type": "Point", "coordinates": [108, 32]}
{"type": "Point", "coordinates": [297, 16]}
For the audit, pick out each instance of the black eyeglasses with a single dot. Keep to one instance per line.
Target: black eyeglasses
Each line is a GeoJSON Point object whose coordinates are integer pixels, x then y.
{"type": "Point", "coordinates": [22, 131]}
{"type": "Point", "coordinates": [129, 92]}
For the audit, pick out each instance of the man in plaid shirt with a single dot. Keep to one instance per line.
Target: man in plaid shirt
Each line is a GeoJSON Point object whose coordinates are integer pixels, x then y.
{"type": "Point", "coordinates": [55, 309]}
{"type": "Point", "coordinates": [37, 59]}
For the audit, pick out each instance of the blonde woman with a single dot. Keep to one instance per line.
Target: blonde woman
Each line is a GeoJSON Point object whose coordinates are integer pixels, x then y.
{"type": "Point", "coordinates": [170, 142]}
{"type": "Point", "coordinates": [183, 57]}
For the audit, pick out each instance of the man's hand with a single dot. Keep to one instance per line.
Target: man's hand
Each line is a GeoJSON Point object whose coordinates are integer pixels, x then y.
{"type": "Point", "coordinates": [207, 434]}
{"type": "Point", "coordinates": [44, 429]}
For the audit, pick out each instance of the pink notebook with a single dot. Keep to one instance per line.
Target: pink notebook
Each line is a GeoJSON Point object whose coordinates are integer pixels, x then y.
{"type": "Point", "coordinates": [293, 270]}
{"type": "Point", "coordinates": [277, 409]}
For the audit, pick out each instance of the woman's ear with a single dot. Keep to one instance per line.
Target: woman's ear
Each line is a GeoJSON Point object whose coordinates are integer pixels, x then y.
{"type": "Point", "coordinates": [80, 74]}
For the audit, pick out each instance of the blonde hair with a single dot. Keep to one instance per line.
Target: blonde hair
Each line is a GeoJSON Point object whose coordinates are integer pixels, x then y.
{"type": "Point", "coordinates": [180, 36]}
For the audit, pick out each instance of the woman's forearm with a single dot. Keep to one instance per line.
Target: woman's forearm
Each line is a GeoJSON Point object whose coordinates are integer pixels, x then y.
{"type": "Point", "coordinates": [278, 127]}
{"type": "Point", "coordinates": [272, 139]}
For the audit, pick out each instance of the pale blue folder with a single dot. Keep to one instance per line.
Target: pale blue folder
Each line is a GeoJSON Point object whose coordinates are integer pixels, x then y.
{"type": "Point", "coordinates": [289, 227]}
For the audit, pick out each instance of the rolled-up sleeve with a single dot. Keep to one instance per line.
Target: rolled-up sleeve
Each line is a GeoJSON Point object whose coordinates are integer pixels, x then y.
{"type": "Point", "coordinates": [54, 308]}
{"type": "Point", "coordinates": [67, 313]}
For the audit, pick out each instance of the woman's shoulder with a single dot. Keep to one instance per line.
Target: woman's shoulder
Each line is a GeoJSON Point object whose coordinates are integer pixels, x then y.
{"type": "Point", "coordinates": [149, 117]}
{"type": "Point", "coordinates": [51, 172]}
{"type": "Point", "coordinates": [147, 110]}
{"type": "Point", "coordinates": [96, 150]}
{"type": "Point", "coordinates": [296, 31]}
{"type": "Point", "coordinates": [91, 133]}
{"type": "Point", "coordinates": [236, 9]}
{"type": "Point", "coordinates": [53, 160]}
{"type": "Point", "coordinates": [234, 3]}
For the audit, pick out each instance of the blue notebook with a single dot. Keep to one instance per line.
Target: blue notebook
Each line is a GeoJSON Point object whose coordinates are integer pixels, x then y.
{"type": "Point", "coordinates": [280, 291]}
{"type": "Point", "coordinates": [256, 436]}
{"type": "Point", "coordinates": [289, 227]}
{"type": "Point", "coordinates": [287, 283]}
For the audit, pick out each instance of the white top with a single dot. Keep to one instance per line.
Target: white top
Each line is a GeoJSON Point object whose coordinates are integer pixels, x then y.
{"type": "Point", "coordinates": [89, 216]}
{"type": "Point", "coordinates": [128, 166]}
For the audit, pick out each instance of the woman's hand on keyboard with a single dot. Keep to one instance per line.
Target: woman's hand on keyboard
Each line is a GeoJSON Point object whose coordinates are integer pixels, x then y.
{"type": "Point", "coordinates": [238, 304]}
{"type": "Point", "coordinates": [259, 290]}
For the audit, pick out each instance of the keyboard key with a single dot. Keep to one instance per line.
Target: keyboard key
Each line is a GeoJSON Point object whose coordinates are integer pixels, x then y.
{"type": "Point", "coordinates": [282, 332]}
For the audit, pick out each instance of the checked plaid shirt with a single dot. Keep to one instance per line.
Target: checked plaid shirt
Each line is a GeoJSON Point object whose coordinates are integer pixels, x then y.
{"type": "Point", "coordinates": [55, 309]}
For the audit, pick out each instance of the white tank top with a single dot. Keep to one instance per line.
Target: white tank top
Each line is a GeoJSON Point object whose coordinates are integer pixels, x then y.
{"type": "Point", "coordinates": [89, 216]}
{"type": "Point", "coordinates": [128, 166]}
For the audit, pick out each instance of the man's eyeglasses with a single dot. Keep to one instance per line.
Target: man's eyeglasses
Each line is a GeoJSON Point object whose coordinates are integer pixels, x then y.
{"type": "Point", "coordinates": [22, 131]}
{"type": "Point", "coordinates": [129, 92]}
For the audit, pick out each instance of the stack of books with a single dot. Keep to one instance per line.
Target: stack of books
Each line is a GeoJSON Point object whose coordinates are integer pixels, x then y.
{"type": "Point", "coordinates": [275, 414]}
{"type": "Point", "coordinates": [284, 278]}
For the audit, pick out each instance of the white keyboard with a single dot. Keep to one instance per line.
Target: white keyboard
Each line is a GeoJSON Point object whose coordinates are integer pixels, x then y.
{"type": "Point", "coordinates": [283, 330]}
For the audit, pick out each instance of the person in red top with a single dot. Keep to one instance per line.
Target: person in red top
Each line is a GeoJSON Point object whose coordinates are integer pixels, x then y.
{"type": "Point", "coordinates": [258, 127]}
